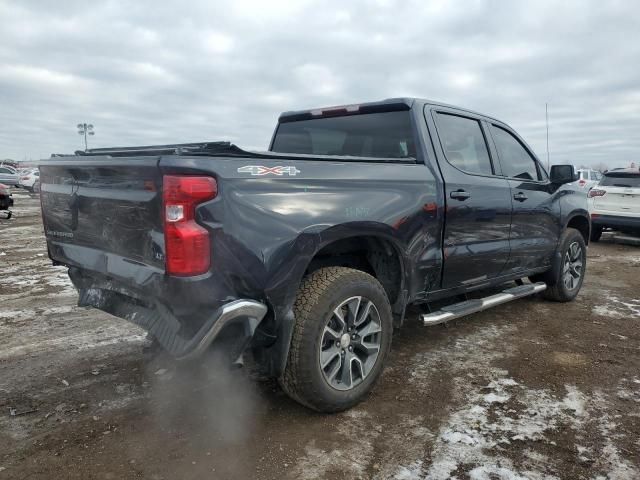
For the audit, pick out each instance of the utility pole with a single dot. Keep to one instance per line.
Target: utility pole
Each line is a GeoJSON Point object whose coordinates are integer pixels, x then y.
{"type": "Point", "coordinates": [546, 114]}
{"type": "Point", "coordinates": [85, 129]}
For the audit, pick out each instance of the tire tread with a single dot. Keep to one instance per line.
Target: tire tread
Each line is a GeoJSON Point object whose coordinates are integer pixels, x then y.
{"type": "Point", "coordinates": [296, 379]}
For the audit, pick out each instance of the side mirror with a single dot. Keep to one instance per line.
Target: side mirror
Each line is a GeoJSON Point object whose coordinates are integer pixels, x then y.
{"type": "Point", "coordinates": [563, 174]}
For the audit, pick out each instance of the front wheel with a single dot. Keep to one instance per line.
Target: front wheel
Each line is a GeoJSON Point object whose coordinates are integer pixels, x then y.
{"type": "Point", "coordinates": [341, 337]}
{"type": "Point", "coordinates": [565, 279]}
{"type": "Point", "coordinates": [596, 233]}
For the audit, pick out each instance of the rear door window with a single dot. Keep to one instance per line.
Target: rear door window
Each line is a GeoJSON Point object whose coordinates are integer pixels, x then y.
{"type": "Point", "coordinates": [628, 180]}
{"type": "Point", "coordinates": [516, 161]}
{"type": "Point", "coordinates": [464, 144]}
{"type": "Point", "coordinates": [381, 135]}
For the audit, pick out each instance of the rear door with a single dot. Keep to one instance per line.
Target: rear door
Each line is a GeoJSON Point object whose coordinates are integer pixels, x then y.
{"type": "Point", "coordinates": [478, 200]}
{"type": "Point", "coordinates": [535, 226]}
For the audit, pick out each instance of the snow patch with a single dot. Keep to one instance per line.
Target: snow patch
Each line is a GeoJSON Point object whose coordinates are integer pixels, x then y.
{"type": "Point", "coordinates": [575, 400]}
{"type": "Point", "coordinates": [618, 308]}
{"type": "Point", "coordinates": [412, 472]}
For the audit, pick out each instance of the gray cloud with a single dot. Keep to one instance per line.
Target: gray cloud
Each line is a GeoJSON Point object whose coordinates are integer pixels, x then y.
{"type": "Point", "coordinates": [154, 72]}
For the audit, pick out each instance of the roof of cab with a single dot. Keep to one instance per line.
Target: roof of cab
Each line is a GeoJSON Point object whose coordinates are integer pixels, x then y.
{"type": "Point", "coordinates": [386, 105]}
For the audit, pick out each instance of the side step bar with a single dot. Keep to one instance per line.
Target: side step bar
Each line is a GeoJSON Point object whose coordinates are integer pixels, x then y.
{"type": "Point", "coordinates": [468, 307]}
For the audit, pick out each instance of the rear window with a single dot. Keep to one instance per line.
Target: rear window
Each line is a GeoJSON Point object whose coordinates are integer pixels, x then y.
{"type": "Point", "coordinates": [381, 135]}
{"type": "Point", "coordinates": [629, 180]}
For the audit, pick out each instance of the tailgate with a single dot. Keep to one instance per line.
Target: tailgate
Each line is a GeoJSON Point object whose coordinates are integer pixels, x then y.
{"type": "Point", "coordinates": [98, 210]}
{"type": "Point", "coordinates": [619, 200]}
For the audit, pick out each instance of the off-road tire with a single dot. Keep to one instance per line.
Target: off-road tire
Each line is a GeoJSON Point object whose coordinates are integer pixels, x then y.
{"type": "Point", "coordinates": [319, 294]}
{"type": "Point", "coordinates": [556, 289]}
{"type": "Point", "coordinates": [596, 233]}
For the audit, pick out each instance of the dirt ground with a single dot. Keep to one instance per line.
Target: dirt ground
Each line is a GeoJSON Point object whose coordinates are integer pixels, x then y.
{"type": "Point", "coordinates": [531, 389]}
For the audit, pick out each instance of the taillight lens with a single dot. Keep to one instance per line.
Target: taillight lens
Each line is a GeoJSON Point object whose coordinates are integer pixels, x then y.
{"type": "Point", "coordinates": [582, 182]}
{"type": "Point", "coordinates": [187, 244]}
{"type": "Point", "coordinates": [596, 192]}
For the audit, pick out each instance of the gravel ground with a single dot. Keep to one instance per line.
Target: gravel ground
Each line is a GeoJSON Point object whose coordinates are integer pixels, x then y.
{"type": "Point", "coordinates": [530, 389]}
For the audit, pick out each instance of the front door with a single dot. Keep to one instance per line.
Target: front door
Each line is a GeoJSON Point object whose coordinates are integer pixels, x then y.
{"type": "Point", "coordinates": [535, 226]}
{"type": "Point", "coordinates": [478, 201]}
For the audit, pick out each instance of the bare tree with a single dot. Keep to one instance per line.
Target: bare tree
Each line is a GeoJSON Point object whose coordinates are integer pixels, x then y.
{"type": "Point", "coordinates": [601, 167]}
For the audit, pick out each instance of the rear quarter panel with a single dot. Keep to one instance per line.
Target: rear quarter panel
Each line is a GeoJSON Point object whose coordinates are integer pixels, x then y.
{"type": "Point", "coordinates": [267, 228]}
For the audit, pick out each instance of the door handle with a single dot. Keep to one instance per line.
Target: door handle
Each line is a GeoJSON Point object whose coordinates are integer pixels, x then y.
{"type": "Point", "coordinates": [521, 197]}
{"type": "Point", "coordinates": [460, 195]}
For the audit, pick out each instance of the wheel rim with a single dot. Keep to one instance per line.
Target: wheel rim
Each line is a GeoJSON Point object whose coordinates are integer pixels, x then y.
{"type": "Point", "coordinates": [573, 268]}
{"type": "Point", "coordinates": [350, 343]}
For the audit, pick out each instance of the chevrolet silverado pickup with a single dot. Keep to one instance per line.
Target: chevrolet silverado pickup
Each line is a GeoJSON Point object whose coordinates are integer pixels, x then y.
{"type": "Point", "coordinates": [307, 255]}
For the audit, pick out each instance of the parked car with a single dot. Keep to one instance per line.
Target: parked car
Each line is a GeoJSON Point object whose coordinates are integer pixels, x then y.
{"type": "Point", "coordinates": [588, 178]}
{"type": "Point", "coordinates": [6, 200]}
{"type": "Point", "coordinates": [309, 254]}
{"type": "Point", "coordinates": [30, 180]}
{"type": "Point", "coordinates": [8, 176]}
{"type": "Point", "coordinates": [615, 202]}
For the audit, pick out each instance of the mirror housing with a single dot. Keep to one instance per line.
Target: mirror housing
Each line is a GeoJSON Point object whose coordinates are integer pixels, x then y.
{"type": "Point", "coordinates": [563, 174]}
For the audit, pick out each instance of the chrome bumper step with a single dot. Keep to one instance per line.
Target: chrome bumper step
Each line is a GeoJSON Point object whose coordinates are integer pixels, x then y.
{"type": "Point", "coordinates": [468, 307]}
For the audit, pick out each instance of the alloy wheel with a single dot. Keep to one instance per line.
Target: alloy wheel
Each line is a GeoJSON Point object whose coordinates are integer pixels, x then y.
{"type": "Point", "coordinates": [572, 268]}
{"type": "Point", "coordinates": [350, 343]}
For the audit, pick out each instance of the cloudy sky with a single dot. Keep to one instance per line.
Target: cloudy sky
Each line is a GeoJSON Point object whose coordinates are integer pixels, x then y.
{"type": "Point", "coordinates": [165, 72]}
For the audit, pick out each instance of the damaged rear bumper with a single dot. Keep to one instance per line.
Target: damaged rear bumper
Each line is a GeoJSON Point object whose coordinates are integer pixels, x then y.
{"type": "Point", "coordinates": [240, 318]}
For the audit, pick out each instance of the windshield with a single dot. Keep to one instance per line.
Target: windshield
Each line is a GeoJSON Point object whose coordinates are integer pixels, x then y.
{"type": "Point", "coordinates": [380, 135]}
{"type": "Point", "coordinates": [630, 180]}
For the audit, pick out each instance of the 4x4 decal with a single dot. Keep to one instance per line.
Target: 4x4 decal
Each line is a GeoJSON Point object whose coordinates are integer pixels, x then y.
{"type": "Point", "coordinates": [260, 170]}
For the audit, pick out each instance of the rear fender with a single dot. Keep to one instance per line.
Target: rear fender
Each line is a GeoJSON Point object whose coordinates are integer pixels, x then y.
{"type": "Point", "coordinates": [287, 277]}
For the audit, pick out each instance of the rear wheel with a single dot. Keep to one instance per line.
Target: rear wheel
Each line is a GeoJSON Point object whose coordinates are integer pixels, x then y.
{"type": "Point", "coordinates": [565, 279]}
{"type": "Point", "coordinates": [596, 233]}
{"type": "Point", "coordinates": [340, 340]}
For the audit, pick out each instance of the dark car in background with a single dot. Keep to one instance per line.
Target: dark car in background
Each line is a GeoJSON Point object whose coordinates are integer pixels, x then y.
{"type": "Point", "coordinates": [6, 201]}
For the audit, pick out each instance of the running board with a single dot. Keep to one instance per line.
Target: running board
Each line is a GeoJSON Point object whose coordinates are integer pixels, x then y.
{"type": "Point", "coordinates": [468, 307]}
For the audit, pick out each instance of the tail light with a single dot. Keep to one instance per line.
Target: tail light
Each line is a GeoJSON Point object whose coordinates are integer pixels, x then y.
{"type": "Point", "coordinates": [596, 192]}
{"type": "Point", "coordinates": [582, 182]}
{"type": "Point", "coordinates": [187, 244]}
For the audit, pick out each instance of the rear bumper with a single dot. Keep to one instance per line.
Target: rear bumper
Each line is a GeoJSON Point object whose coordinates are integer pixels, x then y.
{"type": "Point", "coordinates": [615, 221]}
{"type": "Point", "coordinates": [241, 317]}
{"type": "Point", "coordinates": [234, 320]}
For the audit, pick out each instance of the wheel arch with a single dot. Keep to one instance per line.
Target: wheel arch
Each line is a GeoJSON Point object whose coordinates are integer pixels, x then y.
{"type": "Point", "coordinates": [335, 246]}
{"type": "Point", "coordinates": [581, 222]}
{"type": "Point", "coordinates": [376, 254]}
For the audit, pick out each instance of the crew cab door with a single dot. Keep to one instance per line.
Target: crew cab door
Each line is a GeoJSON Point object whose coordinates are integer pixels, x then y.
{"type": "Point", "coordinates": [477, 199]}
{"type": "Point", "coordinates": [535, 222]}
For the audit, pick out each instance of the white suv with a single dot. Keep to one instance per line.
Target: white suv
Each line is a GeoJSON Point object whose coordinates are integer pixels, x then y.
{"type": "Point", "coordinates": [615, 202]}
{"type": "Point", "coordinates": [588, 178]}
{"type": "Point", "coordinates": [30, 180]}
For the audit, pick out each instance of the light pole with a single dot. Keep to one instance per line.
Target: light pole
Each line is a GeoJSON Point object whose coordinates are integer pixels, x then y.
{"type": "Point", "coordinates": [546, 116]}
{"type": "Point", "coordinates": [85, 129]}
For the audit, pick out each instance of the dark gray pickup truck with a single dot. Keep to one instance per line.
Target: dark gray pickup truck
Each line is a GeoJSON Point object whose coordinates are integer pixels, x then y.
{"type": "Point", "coordinates": [308, 255]}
